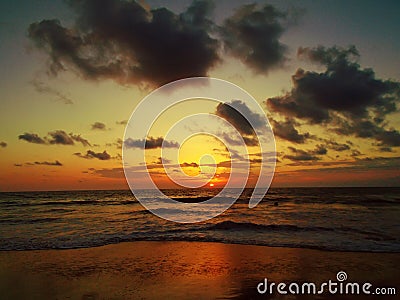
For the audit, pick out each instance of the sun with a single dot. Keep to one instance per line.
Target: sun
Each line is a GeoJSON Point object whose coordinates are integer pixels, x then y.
{"type": "Point", "coordinates": [211, 184]}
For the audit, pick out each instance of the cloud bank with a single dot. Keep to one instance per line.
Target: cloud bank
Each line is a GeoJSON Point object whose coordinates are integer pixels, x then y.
{"type": "Point", "coordinates": [131, 44]}
{"type": "Point", "coordinates": [345, 98]}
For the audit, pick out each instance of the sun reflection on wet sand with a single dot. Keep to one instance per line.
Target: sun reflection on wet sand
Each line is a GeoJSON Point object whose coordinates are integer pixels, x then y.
{"type": "Point", "coordinates": [179, 270]}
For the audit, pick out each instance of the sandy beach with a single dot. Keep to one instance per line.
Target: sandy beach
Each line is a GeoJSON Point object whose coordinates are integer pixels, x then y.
{"type": "Point", "coordinates": [183, 270]}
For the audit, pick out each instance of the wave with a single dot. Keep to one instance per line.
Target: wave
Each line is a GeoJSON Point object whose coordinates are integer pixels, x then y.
{"type": "Point", "coordinates": [191, 199]}
{"type": "Point", "coordinates": [231, 225]}
{"type": "Point", "coordinates": [69, 202]}
{"type": "Point", "coordinates": [13, 245]}
{"type": "Point", "coordinates": [28, 221]}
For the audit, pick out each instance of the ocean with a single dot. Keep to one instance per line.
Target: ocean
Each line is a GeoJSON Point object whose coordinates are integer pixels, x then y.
{"type": "Point", "coordinates": [336, 219]}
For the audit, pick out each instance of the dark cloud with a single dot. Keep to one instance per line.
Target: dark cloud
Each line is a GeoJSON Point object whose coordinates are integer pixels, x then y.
{"type": "Point", "coordinates": [32, 138]}
{"type": "Point", "coordinates": [386, 149]}
{"type": "Point", "coordinates": [351, 100]}
{"type": "Point", "coordinates": [91, 154]}
{"type": "Point", "coordinates": [123, 122]}
{"type": "Point", "coordinates": [287, 131]}
{"type": "Point", "coordinates": [160, 160]}
{"type": "Point", "coordinates": [302, 155]}
{"type": "Point", "coordinates": [368, 129]}
{"type": "Point", "coordinates": [364, 164]}
{"type": "Point", "coordinates": [78, 138]}
{"type": "Point", "coordinates": [333, 145]}
{"type": "Point", "coordinates": [299, 154]}
{"type": "Point", "coordinates": [3, 144]}
{"type": "Point", "coordinates": [388, 138]}
{"type": "Point", "coordinates": [320, 150]}
{"type": "Point", "coordinates": [117, 144]}
{"type": "Point", "coordinates": [57, 137]}
{"type": "Point", "coordinates": [41, 87]}
{"type": "Point", "coordinates": [189, 165]}
{"type": "Point", "coordinates": [98, 126]}
{"type": "Point", "coordinates": [131, 44]}
{"type": "Point", "coordinates": [150, 143]}
{"type": "Point", "coordinates": [230, 112]}
{"type": "Point", "coordinates": [44, 163]}
{"type": "Point", "coordinates": [328, 56]}
{"type": "Point", "coordinates": [121, 40]}
{"type": "Point", "coordinates": [337, 146]}
{"type": "Point", "coordinates": [248, 140]}
{"type": "Point", "coordinates": [253, 35]}
{"type": "Point", "coordinates": [60, 137]}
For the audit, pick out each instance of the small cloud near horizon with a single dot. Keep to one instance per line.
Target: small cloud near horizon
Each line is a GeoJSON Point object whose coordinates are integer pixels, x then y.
{"type": "Point", "coordinates": [98, 126]}
{"type": "Point", "coordinates": [43, 163]}
{"type": "Point", "coordinates": [91, 154]}
{"type": "Point", "coordinates": [57, 137]}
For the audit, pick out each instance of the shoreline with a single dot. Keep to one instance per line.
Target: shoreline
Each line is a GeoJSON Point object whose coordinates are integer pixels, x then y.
{"type": "Point", "coordinates": [322, 249]}
{"type": "Point", "coordinates": [181, 270]}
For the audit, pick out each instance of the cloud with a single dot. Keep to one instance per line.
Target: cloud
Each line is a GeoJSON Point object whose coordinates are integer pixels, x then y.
{"type": "Point", "coordinates": [32, 138]}
{"type": "Point", "coordinates": [364, 164]}
{"type": "Point", "coordinates": [41, 87]}
{"type": "Point", "coordinates": [98, 126]}
{"type": "Point", "coordinates": [123, 41]}
{"type": "Point", "coordinates": [351, 100]}
{"type": "Point", "coordinates": [44, 163]}
{"type": "Point", "coordinates": [189, 165]}
{"type": "Point", "coordinates": [368, 129]}
{"type": "Point", "coordinates": [3, 144]}
{"type": "Point", "coordinates": [78, 138]}
{"type": "Point", "coordinates": [160, 160]}
{"type": "Point", "coordinates": [150, 143]}
{"type": "Point", "coordinates": [386, 149]}
{"type": "Point", "coordinates": [320, 150]}
{"type": "Point", "coordinates": [57, 137]}
{"type": "Point", "coordinates": [230, 112]}
{"type": "Point", "coordinates": [302, 155]}
{"type": "Point", "coordinates": [108, 173]}
{"type": "Point", "coordinates": [253, 35]}
{"type": "Point", "coordinates": [248, 140]}
{"type": "Point", "coordinates": [132, 44]}
{"type": "Point", "coordinates": [123, 122]}
{"type": "Point", "coordinates": [60, 137]}
{"type": "Point", "coordinates": [91, 154]}
{"type": "Point", "coordinates": [286, 130]}
{"type": "Point", "coordinates": [328, 56]}
{"type": "Point", "coordinates": [117, 144]}
{"type": "Point", "coordinates": [337, 146]}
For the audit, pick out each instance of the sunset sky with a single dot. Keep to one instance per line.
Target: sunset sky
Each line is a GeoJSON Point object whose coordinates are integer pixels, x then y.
{"type": "Point", "coordinates": [326, 74]}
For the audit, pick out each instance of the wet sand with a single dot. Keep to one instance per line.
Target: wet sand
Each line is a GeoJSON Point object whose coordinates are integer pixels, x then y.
{"type": "Point", "coordinates": [184, 270]}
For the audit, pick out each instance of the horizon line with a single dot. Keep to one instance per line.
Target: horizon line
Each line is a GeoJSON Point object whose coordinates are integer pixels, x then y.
{"type": "Point", "coordinates": [274, 187]}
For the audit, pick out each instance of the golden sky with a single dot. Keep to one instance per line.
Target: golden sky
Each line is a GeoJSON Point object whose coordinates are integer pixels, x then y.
{"type": "Point", "coordinates": [72, 75]}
